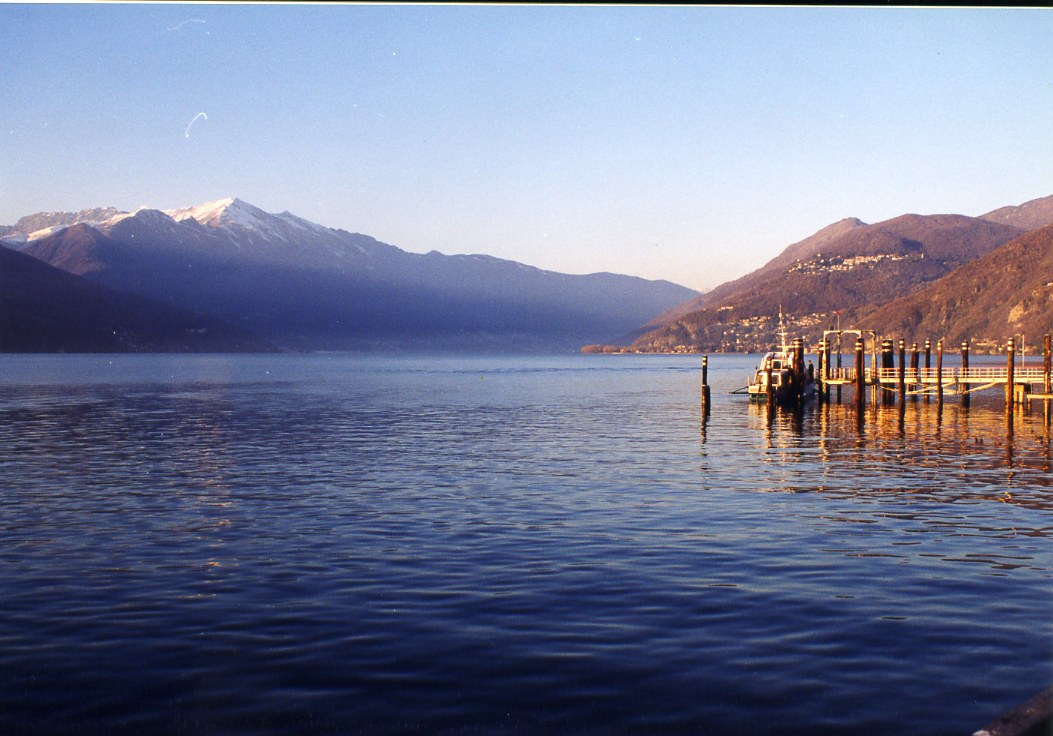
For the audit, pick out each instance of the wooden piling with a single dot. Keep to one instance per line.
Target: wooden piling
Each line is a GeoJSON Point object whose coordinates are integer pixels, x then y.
{"type": "Point", "coordinates": [888, 354]}
{"type": "Point", "coordinates": [888, 349]}
{"type": "Point", "coordinates": [860, 374]}
{"type": "Point", "coordinates": [964, 387]}
{"type": "Point", "coordinates": [939, 371]}
{"type": "Point", "coordinates": [827, 349]}
{"type": "Point", "coordinates": [1010, 386]}
{"type": "Point", "coordinates": [770, 390]}
{"type": "Point", "coordinates": [1047, 355]}
{"type": "Point", "coordinates": [902, 371]}
{"type": "Point", "coordinates": [820, 375]}
{"type": "Point", "coordinates": [839, 384]}
{"type": "Point", "coordinates": [928, 363]}
{"type": "Point", "coordinates": [798, 369]}
{"type": "Point", "coordinates": [914, 365]}
{"type": "Point", "coordinates": [705, 384]}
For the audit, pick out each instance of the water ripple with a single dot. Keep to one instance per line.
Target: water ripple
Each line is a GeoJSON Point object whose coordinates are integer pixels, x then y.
{"type": "Point", "coordinates": [341, 544]}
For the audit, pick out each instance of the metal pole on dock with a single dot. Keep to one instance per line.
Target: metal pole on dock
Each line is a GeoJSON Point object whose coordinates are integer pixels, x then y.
{"type": "Point", "coordinates": [860, 374]}
{"type": "Point", "coordinates": [1010, 387]}
{"type": "Point", "coordinates": [964, 387]}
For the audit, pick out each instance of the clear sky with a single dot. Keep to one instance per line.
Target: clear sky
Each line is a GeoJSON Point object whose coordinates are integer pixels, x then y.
{"type": "Point", "coordinates": [686, 143]}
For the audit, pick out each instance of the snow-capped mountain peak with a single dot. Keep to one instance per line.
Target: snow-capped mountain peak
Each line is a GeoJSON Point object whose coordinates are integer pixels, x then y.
{"type": "Point", "coordinates": [299, 222]}
{"type": "Point", "coordinates": [226, 212]}
{"type": "Point", "coordinates": [240, 219]}
{"type": "Point", "coordinates": [46, 231]}
{"type": "Point", "coordinates": [229, 225]}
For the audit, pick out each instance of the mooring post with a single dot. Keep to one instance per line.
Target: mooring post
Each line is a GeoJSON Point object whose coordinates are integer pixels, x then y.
{"type": "Point", "coordinates": [1047, 363]}
{"type": "Point", "coordinates": [875, 371]}
{"type": "Point", "coordinates": [964, 374]}
{"type": "Point", "coordinates": [705, 384]}
{"type": "Point", "coordinates": [939, 371]}
{"type": "Point", "coordinates": [820, 375]}
{"type": "Point", "coordinates": [914, 365]}
{"type": "Point", "coordinates": [888, 350]}
{"type": "Point", "coordinates": [840, 373]}
{"type": "Point", "coordinates": [769, 389]}
{"type": "Point", "coordinates": [860, 374]}
{"type": "Point", "coordinates": [798, 357]}
{"type": "Point", "coordinates": [902, 370]}
{"type": "Point", "coordinates": [928, 365]}
{"type": "Point", "coordinates": [824, 360]}
{"type": "Point", "coordinates": [1010, 385]}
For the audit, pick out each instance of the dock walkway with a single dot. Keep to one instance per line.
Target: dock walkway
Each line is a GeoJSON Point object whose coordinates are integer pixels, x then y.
{"type": "Point", "coordinates": [897, 376]}
{"type": "Point", "coordinates": [922, 379]}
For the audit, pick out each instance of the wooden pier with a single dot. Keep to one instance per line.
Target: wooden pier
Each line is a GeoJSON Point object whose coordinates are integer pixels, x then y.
{"type": "Point", "coordinates": [896, 377]}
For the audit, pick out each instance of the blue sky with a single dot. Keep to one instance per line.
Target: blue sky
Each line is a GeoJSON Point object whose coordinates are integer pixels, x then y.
{"type": "Point", "coordinates": [685, 143]}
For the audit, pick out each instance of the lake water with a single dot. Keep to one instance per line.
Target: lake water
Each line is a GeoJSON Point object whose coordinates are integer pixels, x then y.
{"type": "Point", "coordinates": [353, 544]}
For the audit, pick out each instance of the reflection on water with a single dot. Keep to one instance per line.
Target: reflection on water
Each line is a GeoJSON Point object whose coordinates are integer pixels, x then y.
{"type": "Point", "coordinates": [341, 544]}
{"type": "Point", "coordinates": [950, 453]}
{"type": "Point", "coordinates": [934, 474]}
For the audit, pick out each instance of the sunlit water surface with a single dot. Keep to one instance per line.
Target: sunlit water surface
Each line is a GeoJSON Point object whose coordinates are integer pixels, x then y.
{"type": "Point", "coordinates": [349, 544]}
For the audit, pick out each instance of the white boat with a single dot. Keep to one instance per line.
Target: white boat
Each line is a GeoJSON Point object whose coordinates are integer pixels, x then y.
{"type": "Point", "coordinates": [788, 381]}
{"type": "Point", "coordinates": [775, 366]}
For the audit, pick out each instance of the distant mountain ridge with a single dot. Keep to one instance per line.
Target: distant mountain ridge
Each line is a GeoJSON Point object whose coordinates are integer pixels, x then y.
{"type": "Point", "coordinates": [1030, 215]}
{"type": "Point", "coordinates": [1006, 292]}
{"type": "Point", "coordinates": [42, 224]}
{"type": "Point", "coordinates": [800, 250]}
{"type": "Point", "coordinates": [844, 270]}
{"type": "Point", "coordinates": [228, 275]}
{"type": "Point", "coordinates": [301, 285]}
{"type": "Point", "coordinates": [45, 309]}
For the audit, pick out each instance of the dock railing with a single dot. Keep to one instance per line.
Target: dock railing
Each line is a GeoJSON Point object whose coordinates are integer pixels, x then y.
{"type": "Point", "coordinates": [990, 374]}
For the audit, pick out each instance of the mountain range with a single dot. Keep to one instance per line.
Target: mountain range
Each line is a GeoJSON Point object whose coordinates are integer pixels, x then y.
{"type": "Point", "coordinates": [1005, 293]}
{"type": "Point", "coordinates": [228, 275]}
{"type": "Point", "coordinates": [45, 309]}
{"type": "Point", "coordinates": [913, 276]}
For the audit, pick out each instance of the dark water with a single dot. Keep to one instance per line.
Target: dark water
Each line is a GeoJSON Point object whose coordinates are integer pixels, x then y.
{"type": "Point", "coordinates": [335, 544]}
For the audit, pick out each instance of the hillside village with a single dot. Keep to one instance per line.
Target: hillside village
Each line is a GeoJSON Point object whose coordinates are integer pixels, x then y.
{"type": "Point", "coordinates": [820, 264]}
{"type": "Point", "coordinates": [914, 277]}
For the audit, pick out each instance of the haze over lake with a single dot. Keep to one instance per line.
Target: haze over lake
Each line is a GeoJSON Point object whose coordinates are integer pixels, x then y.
{"type": "Point", "coordinates": [372, 544]}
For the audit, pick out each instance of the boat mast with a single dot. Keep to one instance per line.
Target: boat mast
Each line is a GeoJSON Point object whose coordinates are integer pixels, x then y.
{"type": "Point", "coordinates": [782, 333]}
